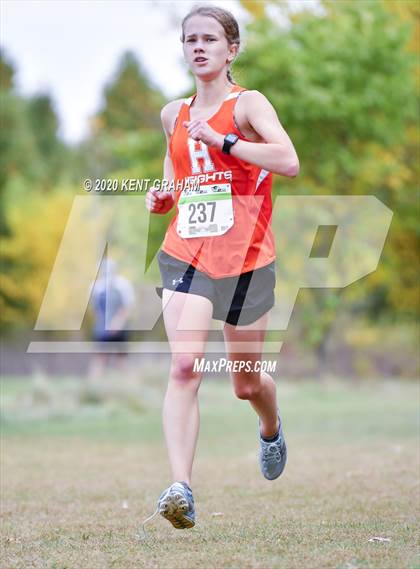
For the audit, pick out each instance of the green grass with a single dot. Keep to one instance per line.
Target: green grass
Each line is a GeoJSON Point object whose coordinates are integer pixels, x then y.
{"type": "Point", "coordinates": [352, 474]}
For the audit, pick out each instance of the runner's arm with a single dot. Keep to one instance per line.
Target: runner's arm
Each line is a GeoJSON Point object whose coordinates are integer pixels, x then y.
{"type": "Point", "coordinates": [162, 201]}
{"type": "Point", "coordinates": [277, 153]}
{"type": "Point", "coordinates": [166, 116]}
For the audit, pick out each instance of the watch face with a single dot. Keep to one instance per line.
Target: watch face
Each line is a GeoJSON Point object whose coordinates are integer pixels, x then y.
{"type": "Point", "coordinates": [231, 137]}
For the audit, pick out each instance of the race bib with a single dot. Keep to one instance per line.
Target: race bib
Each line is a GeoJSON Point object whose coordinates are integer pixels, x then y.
{"type": "Point", "coordinates": [205, 211]}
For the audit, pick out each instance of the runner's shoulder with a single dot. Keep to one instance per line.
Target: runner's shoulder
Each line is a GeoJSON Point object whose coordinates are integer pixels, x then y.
{"type": "Point", "coordinates": [169, 113]}
{"type": "Point", "coordinates": [251, 104]}
{"type": "Point", "coordinates": [251, 96]}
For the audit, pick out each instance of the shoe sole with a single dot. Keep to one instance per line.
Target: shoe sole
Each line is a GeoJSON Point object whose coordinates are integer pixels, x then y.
{"type": "Point", "coordinates": [173, 508]}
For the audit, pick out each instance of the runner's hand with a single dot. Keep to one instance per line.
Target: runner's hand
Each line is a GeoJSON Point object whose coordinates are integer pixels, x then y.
{"type": "Point", "coordinates": [200, 130]}
{"type": "Point", "coordinates": [158, 201]}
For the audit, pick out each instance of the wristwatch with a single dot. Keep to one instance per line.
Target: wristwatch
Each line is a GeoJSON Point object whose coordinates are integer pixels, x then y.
{"type": "Point", "coordinates": [229, 141]}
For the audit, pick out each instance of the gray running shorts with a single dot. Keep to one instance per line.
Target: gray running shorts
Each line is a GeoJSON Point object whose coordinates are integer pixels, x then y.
{"type": "Point", "coordinates": [237, 300]}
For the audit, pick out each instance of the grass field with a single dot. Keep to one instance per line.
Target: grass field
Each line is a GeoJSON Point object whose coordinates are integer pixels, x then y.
{"type": "Point", "coordinates": [76, 486]}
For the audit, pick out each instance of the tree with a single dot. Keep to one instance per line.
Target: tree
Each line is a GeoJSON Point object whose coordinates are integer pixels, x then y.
{"type": "Point", "coordinates": [31, 159]}
{"type": "Point", "coordinates": [131, 102]}
{"type": "Point", "coordinates": [343, 84]}
{"type": "Point", "coordinates": [7, 72]}
{"type": "Point", "coordinates": [43, 122]}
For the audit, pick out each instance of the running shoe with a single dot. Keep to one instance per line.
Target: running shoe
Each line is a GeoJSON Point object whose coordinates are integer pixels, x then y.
{"type": "Point", "coordinates": [176, 504]}
{"type": "Point", "coordinates": [273, 454]}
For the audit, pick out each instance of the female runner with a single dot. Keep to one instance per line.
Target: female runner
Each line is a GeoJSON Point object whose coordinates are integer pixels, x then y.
{"type": "Point", "coordinates": [217, 259]}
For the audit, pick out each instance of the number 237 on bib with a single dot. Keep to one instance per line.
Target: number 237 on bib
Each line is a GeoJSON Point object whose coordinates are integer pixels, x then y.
{"type": "Point", "coordinates": [206, 211]}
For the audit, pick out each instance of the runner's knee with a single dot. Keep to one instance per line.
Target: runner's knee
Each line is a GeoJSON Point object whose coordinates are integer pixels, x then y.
{"type": "Point", "coordinates": [247, 390]}
{"type": "Point", "coordinates": [183, 369]}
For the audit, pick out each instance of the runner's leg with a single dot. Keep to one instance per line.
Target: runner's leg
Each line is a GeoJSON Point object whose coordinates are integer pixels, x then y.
{"type": "Point", "coordinates": [181, 419]}
{"type": "Point", "coordinates": [258, 388]}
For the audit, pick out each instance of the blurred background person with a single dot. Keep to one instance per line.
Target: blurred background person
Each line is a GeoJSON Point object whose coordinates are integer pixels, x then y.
{"type": "Point", "coordinates": [112, 301]}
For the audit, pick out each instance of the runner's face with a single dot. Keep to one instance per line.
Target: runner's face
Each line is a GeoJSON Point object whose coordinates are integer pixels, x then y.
{"type": "Point", "coordinates": [205, 38]}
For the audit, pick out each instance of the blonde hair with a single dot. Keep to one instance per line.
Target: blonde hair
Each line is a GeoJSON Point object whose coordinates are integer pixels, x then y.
{"type": "Point", "coordinates": [225, 19]}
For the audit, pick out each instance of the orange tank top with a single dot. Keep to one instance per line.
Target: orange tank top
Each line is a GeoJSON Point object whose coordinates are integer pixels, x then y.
{"type": "Point", "coordinates": [249, 244]}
